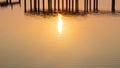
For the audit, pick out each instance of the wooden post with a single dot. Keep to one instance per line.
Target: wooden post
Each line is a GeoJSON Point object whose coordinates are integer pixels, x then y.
{"type": "Point", "coordinates": [31, 5]}
{"type": "Point", "coordinates": [113, 6]}
{"type": "Point", "coordinates": [69, 5]}
{"type": "Point", "coordinates": [39, 6]}
{"type": "Point", "coordinates": [10, 1]}
{"type": "Point", "coordinates": [72, 6]}
{"type": "Point", "coordinates": [96, 5]}
{"type": "Point", "coordinates": [24, 5]}
{"type": "Point", "coordinates": [43, 6]}
{"type": "Point", "coordinates": [62, 5]}
{"type": "Point", "coordinates": [58, 5]}
{"type": "Point", "coordinates": [90, 5]}
{"type": "Point", "coordinates": [50, 6]}
{"type": "Point", "coordinates": [77, 4]}
{"type": "Point", "coordinates": [84, 6]}
{"type": "Point", "coordinates": [54, 5]}
{"type": "Point", "coordinates": [19, 1]}
{"type": "Point", "coordinates": [35, 8]}
{"type": "Point", "coordinates": [66, 5]}
{"type": "Point", "coordinates": [7, 1]}
{"type": "Point", "coordinates": [94, 1]}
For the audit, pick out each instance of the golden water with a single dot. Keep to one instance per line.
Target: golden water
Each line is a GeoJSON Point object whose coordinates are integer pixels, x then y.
{"type": "Point", "coordinates": [61, 41]}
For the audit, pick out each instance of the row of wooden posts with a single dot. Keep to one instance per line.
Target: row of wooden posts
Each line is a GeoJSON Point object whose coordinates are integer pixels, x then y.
{"type": "Point", "coordinates": [74, 4]}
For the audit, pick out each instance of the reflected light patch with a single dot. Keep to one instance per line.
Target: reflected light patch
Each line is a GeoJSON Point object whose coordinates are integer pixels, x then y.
{"type": "Point", "coordinates": [60, 24]}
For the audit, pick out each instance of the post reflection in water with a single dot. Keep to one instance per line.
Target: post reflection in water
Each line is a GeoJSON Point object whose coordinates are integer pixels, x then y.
{"type": "Point", "coordinates": [60, 24]}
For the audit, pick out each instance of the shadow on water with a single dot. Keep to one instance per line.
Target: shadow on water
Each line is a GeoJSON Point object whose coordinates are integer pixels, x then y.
{"type": "Point", "coordinates": [80, 13]}
{"type": "Point", "coordinates": [46, 13]}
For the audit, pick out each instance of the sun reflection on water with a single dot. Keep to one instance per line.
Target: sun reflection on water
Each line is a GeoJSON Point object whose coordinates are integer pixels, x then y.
{"type": "Point", "coordinates": [60, 24]}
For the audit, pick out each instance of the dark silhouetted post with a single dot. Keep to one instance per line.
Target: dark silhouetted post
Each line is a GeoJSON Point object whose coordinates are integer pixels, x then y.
{"type": "Point", "coordinates": [77, 4]}
{"type": "Point", "coordinates": [62, 5]}
{"type": "Point", "coordinates": [66, 5]}
{"type": "Point", "coordinates": [113, 6]}
{"type": "Point", "coordinates": [31, 5]}
{"type": "Point", "coordinates": [90, 5]}
{"type": "Point", "coordinates": [39, 6]}
{"type": "Point", "coordinates": [58, 5]}
{"type": "Point", "coordinates": [72, 6]}
{"type": "Point", "coordinates": [96, 5]}
{"type": "Point", "coordinates": [10, 1]}
{"type": "Point", "coordinates": [69, 5]}
{"type": "Point", "coordinates": [94, 1]}
{"type": "Point", "coordinates": [43, 6]}
{"type": "Point", "coordinates": [19, 1]}
{"type": "Point", "coordinates": [7, 1]}
{"type": "Point", "coordinates": [35, 8]}
{"type": "Point", "coordinates": [24, 5]}
{"type": "Point", "coordinates": [50, 6]}
{"type": "Point", "coordinates": [84, 6]}
{"type": "Point", "coordinates": [54, 5]}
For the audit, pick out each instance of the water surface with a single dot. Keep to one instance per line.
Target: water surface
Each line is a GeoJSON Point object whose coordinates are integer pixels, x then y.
{"type": "Point", "coordinates": [59, 41]}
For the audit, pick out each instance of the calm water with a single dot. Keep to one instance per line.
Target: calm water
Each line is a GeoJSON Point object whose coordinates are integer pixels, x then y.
{"type": "Point", "coordinates": [60, 41]}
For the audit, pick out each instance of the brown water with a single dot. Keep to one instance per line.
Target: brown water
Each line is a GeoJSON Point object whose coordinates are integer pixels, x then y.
{"type": "Point", "coordinates": [61, 41]}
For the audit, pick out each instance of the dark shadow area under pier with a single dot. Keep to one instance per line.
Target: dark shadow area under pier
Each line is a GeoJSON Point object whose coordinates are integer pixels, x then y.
{"type": "Point", "coordinates": [80, 13]}
{"type": "Point", "coordinates": [29, 12]}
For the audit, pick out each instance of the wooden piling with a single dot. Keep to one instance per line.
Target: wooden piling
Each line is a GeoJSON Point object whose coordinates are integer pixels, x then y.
{"type": "Point", "coordinates": [43, 6]}
{"type": "Point", "coordinates": [113, 6]}
{"type": "Point", "coordinates": [66, 5]}
{"type": "Point", "coordinates": [58, 5]}
{"type": "Point", "coordinates": [7, 1]}
{"type": "Point", "coordinates": [77, 4]}
{"type": "Point", "coordinates": [72, 6]}
{"type": "Point", "coordinates": [50, 6]}
{"type": "Point", "coordinates": [19, 1]}
{"type": "Point", "coordinates": [54, 5]}
{"type": "Point", "coordinates": [90, 5]}
{"type": "Point", "coordinates": [38, 6]}
{"type": "Point", "coordinates": [96, 5]}
{"type": "Point", "coordinates": [62, 5]}
{"type": "Point", "coordinates": [35, 7]}
{"type": "Point", "coordinates": [94, 1]}
{"type": "Point", "coordinates": [24, 5]}
{"type": "Point", "coordinates": [86, 5]}
{"type": "Point", "coordinates": [30, 5]}
{"type": "Point", "coordinates": [10, 1]}
{"type": "Point", "coordinates": [69, 5]}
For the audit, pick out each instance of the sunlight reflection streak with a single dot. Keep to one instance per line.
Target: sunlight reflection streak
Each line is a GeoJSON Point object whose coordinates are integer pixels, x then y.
{"type": "Point", "coordinates": [60, 24]}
